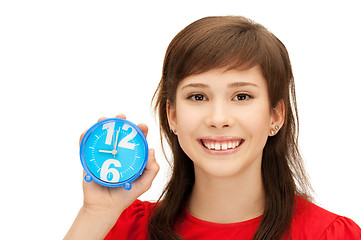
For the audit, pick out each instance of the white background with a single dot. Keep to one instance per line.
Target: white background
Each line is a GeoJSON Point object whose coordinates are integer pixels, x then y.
{"type": "Point", "coordinates": [64, 64]}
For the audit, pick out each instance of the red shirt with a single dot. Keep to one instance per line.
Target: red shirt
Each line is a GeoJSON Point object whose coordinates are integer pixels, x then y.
{"type": "Point", "coordinates": [309, 222]}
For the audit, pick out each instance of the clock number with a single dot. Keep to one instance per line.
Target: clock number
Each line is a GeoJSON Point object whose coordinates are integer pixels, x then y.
{"type": "Point", "coordinates": [124, 143]}
{"type": "Point", "coordinates": [106, 170]}
{"type": "Point", "coordinates": [110, 131]}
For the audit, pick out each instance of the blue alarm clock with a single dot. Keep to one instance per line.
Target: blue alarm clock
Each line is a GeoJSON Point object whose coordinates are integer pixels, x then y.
{"type": "Point", "coordinates": [114, 153]}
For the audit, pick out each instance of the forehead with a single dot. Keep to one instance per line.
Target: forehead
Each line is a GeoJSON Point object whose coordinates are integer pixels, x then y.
{"type": "Point", "coordinates": [252, 77]}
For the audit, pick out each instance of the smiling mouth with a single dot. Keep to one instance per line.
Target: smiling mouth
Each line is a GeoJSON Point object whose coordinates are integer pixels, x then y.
{"type": "Point", "coordinates": [221, 144]}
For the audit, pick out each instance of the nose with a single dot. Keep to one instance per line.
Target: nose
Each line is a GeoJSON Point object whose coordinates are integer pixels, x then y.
{"type": "Point", "coordinates": [219, 116]}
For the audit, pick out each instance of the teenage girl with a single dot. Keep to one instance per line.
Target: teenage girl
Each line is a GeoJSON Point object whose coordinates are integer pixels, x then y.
{"type": "Point", "coordinates": [227, 108]}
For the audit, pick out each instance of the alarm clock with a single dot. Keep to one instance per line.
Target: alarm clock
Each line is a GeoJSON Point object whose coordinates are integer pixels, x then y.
{"type": "Point", "coordinates": [114, 153]}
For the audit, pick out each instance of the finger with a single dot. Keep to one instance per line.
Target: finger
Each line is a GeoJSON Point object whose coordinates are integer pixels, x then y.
{"type": "Point", "coordinates": [81, 137]}
{"type": "Point", "coordinates": [144, 128]}
{"type": "Point", "coordinates": [121, 116]}
{"type": "Point", "coordinates": [152, 164]}
{"type": "Point", "coordinates": [101, 119]}
{"type": "Point", "coordinates": [152, 167]}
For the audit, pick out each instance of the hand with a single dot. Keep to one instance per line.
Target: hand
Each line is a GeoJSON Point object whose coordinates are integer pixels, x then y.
{"type": "Point", "coordinates": [103, 205]}
{"type": "Point", "coordinates": [115, 200]}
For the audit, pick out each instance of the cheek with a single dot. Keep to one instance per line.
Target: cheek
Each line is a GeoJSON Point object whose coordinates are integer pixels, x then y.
{"type": "Point", "coordinates": [185, 129]}
{"type": "Point", "coordinates": [186, 121]}
{"type": "Point", "coordinates": [188, 124]}
{"type": "Point", "coordinates": [257, 121]}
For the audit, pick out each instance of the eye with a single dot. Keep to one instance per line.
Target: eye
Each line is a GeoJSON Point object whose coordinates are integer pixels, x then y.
{"type": "Point", "coordinates": [242, 97]}
{"type": "Point", "coordinates": [197, 97]}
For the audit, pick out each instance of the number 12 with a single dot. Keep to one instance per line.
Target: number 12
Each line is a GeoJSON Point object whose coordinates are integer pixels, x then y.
{"type": "Point", "coordinates": [123, 143]}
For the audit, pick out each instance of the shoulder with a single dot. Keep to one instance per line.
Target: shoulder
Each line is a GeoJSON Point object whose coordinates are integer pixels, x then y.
{"type": "Point", "coordinates": [313, 222]}
{"type": "Point", "coordinates": [137, 210]}
{"type": "Point", "coordinates": [133, 222]}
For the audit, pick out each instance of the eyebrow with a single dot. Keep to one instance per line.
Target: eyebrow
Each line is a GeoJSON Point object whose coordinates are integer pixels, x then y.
{"type": "Point", "coordinates": [195, 85]}
{"type": "Point", "coordinates": [231, 85]}
{"type": "Point", "coordinates": [242, 84]}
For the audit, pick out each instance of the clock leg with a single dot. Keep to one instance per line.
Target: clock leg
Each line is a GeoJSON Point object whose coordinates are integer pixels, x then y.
{"type": "Point", "coordinates": [127, 186]}
{"type": "Point", "coordinates": [88, 178]}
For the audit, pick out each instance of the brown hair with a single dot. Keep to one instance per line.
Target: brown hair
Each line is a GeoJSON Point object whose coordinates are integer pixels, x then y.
{"type": "Point", "coordinates": [232, 42]}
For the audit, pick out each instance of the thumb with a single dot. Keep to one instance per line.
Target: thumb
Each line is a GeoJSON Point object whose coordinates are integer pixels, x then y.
{"type": "Point", "coordinates": [152, 165]}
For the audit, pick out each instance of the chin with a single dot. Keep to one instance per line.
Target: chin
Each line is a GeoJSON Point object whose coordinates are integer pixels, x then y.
{"type": "Point", "coordinates": [224, 169]}
{"type": "Point", "coordinates": [230, 167]}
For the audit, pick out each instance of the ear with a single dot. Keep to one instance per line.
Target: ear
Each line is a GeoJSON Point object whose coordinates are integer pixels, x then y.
{"type": "Point", "coordinates": [171, 116]}
{"type": "Point", "coordinates": [277, 118]}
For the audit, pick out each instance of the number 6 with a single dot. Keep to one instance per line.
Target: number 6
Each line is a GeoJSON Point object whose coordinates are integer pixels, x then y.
{"type": "Point", "coordinates": [105, 170]}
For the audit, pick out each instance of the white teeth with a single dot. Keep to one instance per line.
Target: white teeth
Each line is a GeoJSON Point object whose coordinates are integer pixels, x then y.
{"type": "Point", "coordinates": [221, 146]}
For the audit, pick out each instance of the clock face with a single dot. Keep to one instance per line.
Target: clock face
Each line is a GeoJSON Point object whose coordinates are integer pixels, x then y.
{"type": "Point", "coordinates": [114, 152]}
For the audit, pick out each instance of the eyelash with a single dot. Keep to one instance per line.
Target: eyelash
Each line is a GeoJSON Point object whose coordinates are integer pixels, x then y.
{"type": "Point", "coordinates": [244, 97]}
{"type": "Point", "coordinates": [193, 97]}
{"type": "Point", "coordinates": [196, 97]}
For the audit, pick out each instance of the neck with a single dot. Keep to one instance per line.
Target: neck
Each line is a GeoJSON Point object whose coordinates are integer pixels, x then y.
{"type": "Point", "coordinates": [227, 200]}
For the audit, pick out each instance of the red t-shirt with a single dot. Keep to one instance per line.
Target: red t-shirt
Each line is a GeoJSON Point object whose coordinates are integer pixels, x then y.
{"type": "Point", "coordinates": [309, 222]}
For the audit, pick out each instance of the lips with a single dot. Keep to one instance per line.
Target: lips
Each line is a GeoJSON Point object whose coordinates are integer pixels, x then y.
{"type": "Point", "coordinates": [221, 143]}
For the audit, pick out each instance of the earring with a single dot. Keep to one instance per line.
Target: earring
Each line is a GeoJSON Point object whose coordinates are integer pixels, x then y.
{"type": "Point", "coordinates": [174, 131]}
{"type": "Point", "coordinates": [273, 132]}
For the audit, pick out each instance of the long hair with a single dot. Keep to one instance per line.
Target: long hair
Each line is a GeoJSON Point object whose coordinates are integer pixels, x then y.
{"type": "Point", "coordinates": [232, 42]}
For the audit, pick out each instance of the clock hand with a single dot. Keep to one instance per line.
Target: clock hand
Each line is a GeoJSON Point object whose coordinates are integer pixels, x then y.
{"type": "Point", "coordinates": [115, 144]}
{"type": "Point", "coordinates": [114, 152]}
{"type": "Point", "coordinates": [105, 151]}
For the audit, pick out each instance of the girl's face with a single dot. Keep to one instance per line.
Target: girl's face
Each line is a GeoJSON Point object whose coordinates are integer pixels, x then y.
{"type": "Point", "coordinates": [223, 119]}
